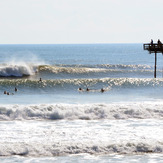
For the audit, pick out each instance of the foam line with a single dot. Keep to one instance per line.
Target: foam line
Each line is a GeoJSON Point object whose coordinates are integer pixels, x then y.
{"type": "Point", "coordinates": [64, 148]}
{"type": "Point", "coordinates": [84, 112]}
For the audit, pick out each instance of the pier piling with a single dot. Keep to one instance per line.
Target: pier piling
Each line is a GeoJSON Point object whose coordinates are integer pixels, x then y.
{"type": "Point", "coordinates": [154, 48]}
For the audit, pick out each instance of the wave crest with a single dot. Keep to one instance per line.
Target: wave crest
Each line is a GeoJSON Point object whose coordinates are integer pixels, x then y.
{"type": "Point", "coordinates": [76, 69]}
{"type": "Point", "coordinates": [19, 70]}
{"type": "Point", "coordinates": [69, 70]}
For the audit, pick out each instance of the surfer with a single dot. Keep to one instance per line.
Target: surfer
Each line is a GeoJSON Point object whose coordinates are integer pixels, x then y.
{"type": "Point", "coordinates": [80, 89]}
{"type": "Point", "coordinates": [87, 89]}
{"type": "Point", "coordinates": [40, 80]}
{"type": "Point", "coordinates": [5, 92]}
{"type": "Point", "coordinates": [8, 93]}
{"type": "Point", "coordinates": [102, 90]}
{"type": "Point", "coordinates": [16, 89]}
{"type": "Point", "coordinates": [151, 42]}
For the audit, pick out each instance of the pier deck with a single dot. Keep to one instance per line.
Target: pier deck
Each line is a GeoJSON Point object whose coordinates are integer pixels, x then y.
{"type": "Point", "coordinates": [154, 48]}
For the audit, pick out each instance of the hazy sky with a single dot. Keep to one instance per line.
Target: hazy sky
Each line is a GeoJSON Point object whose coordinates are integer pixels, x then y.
{"type": "Point", "coordinates": [80, 21]}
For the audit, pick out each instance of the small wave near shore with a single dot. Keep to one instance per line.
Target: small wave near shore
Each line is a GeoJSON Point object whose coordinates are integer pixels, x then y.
{"type": "Point", "coordinates": [81, 111]}
{"type": "Point", "coordinates": [61, 149]}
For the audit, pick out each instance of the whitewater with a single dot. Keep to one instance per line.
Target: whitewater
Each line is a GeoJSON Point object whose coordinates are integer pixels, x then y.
{"type": "Point", "coordinates": [60, 114]}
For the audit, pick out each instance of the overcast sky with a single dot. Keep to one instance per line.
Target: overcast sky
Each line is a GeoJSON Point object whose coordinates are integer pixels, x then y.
{"type": "Point", "coordinates": [80, 21]}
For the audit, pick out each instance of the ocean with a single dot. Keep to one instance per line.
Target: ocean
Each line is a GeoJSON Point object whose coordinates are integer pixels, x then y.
{"type": "Point", "coordinates": [80, 103]}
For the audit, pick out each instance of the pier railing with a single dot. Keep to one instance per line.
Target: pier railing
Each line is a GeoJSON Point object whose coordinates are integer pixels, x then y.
{"type": "Point", "coordinates": [154, 48]}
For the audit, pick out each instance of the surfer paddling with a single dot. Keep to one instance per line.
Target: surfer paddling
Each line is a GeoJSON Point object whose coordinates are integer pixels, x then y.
{"type": "Point", "coordinates": [102, 90]}
{"type": "Point", "coordinates": [80, 89]}
{"type": "Point", "coordinates": [8, 93]}
{"type": "Point", "coordinates": [93, 90]}
{"type": "Point", "coordinates": [87, 89]}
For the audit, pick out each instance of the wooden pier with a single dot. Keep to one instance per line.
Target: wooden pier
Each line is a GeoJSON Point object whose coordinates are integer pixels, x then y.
{"type": "Point", "coordinates": [154, 48]}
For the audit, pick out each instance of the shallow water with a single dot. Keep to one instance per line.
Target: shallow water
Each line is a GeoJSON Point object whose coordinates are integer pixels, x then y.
{"type": "Point", "coordinates": [96, 137]}
{"type": "Point", "coordinates": [89, 158]}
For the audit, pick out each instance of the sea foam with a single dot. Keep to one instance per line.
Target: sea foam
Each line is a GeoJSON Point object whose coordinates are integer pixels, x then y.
{"type": "Point", "coordinates": [17, 70]}
{"type": "Point", "coordinates": [54, 148]}
{"type": "Point", "coordinates": [81, 111]}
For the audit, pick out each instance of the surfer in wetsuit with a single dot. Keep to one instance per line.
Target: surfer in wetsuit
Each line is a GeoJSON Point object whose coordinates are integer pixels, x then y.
{"type": "Point", "coordinates": [80, 89]}
{"type": "Point", "coordinates": [40, 80]}
{"type": "Point", "coordinates": [87, 89]}
{"type": "Point", "coordinates": [102, 90]}
{"type": "Point", "coordinates": [16, 89]}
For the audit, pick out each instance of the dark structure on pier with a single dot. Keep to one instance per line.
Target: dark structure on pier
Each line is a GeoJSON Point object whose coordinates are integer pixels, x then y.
{"type": "Point", "coordinates": [154, 48]}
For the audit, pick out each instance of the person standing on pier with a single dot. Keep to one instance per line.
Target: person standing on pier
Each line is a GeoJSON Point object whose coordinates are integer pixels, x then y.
{"type": "Point", "coordinates": [151, 42]}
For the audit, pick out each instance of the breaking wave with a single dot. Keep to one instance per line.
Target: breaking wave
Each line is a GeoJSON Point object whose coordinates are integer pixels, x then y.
{"type": "Point", "coordinates": [82, 112]}
{"type": "Point", "coordinates": [26, 69]}
{"type": "Point", "coordinates": [18, 70]}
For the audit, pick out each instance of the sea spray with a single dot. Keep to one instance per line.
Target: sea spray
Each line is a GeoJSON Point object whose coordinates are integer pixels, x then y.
{"type": "Point", "coordinates": [17, 70]}
{"type": "Point", "coordinates": [20, 65]}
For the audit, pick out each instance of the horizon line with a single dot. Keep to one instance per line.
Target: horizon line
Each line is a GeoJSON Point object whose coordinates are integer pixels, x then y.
{"type": "Point", "coordinates": [67, 43]}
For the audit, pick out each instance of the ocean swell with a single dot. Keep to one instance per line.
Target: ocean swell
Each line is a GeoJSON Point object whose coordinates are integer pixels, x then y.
{"type": "Point", "coordinates": [85, 69]}
{"type": "Point", "coordinates": [27, 69]}
{"type": "Point", "coordinates": [74, 84]}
